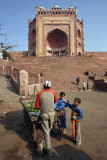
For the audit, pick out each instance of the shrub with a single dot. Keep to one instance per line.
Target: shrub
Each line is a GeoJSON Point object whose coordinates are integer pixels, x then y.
{"type": "Point", "coordinates": [6, 54]}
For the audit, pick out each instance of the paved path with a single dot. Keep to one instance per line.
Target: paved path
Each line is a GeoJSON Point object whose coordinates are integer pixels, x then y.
{"type": "Point", "coordinates": [7, 90]}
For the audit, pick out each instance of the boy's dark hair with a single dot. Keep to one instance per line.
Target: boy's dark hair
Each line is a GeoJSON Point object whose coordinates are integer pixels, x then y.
{"type": "Point", "coordinates": [78, 100]}
{"type": "Point", "coordinates": [62, 93]}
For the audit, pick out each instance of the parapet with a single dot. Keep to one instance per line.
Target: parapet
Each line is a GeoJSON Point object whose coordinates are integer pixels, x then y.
{"type": "Point", "coordinates": [56, 10]}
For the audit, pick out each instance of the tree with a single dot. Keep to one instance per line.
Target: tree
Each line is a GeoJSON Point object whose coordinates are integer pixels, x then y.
{"type": "Point", "coordinates": [3, 45]}
{"type": "Point", "coordinates": [6, 54]}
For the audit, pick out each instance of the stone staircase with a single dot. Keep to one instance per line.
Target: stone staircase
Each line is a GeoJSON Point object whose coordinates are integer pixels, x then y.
{"type": "Point", "coordinates": [62, 72]}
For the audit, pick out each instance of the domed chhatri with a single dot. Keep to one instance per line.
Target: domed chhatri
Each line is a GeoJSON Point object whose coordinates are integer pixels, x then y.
{"type": "Point", "coordinates": [70, 8]}
{"type": "Point", "coordinates": [56, 7]}
{"type": "Point", "coordinates": [41, 7]}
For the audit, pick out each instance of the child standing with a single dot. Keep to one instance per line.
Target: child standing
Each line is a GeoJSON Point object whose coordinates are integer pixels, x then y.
{"type": "Point", "coordinates": [76, 117]}
{"type": "Point", "coordinates": [78, 80]}
{"type": "Point", "coordinates": [83, 85]}
{"type": "Point", "coordinates": [87, 84]}
{"type": "Point", "coordinates": [61, 105]}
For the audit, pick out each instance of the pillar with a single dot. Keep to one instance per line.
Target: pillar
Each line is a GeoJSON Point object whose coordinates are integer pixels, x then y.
{"type": "Point", "coordinates": [23, 83]}
{"type": "Point", "coordinates": [3, 69]}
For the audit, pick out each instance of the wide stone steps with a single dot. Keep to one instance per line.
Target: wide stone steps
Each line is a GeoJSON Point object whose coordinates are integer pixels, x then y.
{"type": "Point", "coordinates": [62, 72]}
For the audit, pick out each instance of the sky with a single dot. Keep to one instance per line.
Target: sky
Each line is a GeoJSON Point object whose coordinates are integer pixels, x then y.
{"type": "Point", "coordinates": [14, 15]}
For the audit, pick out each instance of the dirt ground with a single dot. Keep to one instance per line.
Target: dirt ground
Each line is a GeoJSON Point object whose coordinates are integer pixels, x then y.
{"type": "Point", "coordinates": [13, 138]}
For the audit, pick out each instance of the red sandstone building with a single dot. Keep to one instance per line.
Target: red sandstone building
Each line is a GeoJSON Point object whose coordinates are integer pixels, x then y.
{"type": "Point", "coordinates": [55, 31]}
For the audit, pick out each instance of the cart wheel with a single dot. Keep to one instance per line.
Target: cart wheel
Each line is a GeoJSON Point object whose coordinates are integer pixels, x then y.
{"type": "Point", "coordinates": [26, 119]}
{"type": "Point", "coordinates": [56, 126]}
{"type": "Point", "coordinates": [32, 132]}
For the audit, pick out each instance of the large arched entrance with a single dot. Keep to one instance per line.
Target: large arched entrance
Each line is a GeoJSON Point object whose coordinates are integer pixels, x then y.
{"type": "Point", "coordinates": [57, 43]}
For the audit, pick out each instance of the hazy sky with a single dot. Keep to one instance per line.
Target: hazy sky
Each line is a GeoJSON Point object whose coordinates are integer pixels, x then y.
{"type": "Point", "coordinates": [14, 14]}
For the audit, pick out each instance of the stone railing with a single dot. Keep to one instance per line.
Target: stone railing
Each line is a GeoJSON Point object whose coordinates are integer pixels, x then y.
{"type": "Point", "coordinates": [26, 84]}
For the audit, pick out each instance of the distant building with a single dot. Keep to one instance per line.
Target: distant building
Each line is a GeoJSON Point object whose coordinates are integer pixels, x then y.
{"type": "Point", "coordinates": [56, 31]}
{"type": "Point", "coordinates": [1, 54]}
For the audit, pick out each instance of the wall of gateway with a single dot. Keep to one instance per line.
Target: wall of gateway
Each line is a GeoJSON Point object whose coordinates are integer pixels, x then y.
{"type": "Point", "coordinates": [47, 24]}
{"type": "Point", "coordinates": [26, 84]}
{"type": "Point", "coordinates": [96, 54]}
{"type": "Point", "coordinates": [99, 80]}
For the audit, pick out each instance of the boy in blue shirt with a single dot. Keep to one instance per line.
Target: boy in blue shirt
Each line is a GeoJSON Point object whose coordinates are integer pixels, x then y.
{"type": "Point", "coordinates": [76, 117]}
{"type": "Point", "coordinates": [61, 105]}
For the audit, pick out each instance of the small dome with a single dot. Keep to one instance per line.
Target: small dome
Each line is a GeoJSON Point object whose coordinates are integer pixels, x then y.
{"type": "Point", "coordinates": [41, 7]}
{"type": "Point", "coordinates": [56, 6]}
{"type": "Point", "coordinates": [70, 7]}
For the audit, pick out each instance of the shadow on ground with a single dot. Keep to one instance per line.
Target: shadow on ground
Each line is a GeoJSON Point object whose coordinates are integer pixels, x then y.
{"type": "Point", "coordinates": [62, 152]}
{"type": "Point", "coordinates": [10, 86]}
{"type": "Point", "coordinates": [14, 121]}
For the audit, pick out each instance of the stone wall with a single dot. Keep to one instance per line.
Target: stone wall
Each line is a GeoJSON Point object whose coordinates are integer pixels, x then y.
{"type": "Point", "coordinates": [96, 54]}
{"type": "Point", "coordinates": [18, 54]}
{"type": "Point", "coordinates": [101, 85]}
{"type": "Point", "coordinates": [33, 78]}
{"type": "Point", "coordinates": [7, 70]}
{"type": "Point", "coordinates": [100, 82]}
{"type": "Point", "coordinates": [32, 38]}
{"type": "Point", "coordinates": [15, 73]}
{"type": "Point", "coordinates": [26, 84]}
{"type": "Point", "coordinates": [1, 69]}
{"type": "Point", "coordinates": [33, 89]}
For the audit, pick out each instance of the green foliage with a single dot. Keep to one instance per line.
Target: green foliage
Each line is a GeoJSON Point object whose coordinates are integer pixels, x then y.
{"type": "Point", "coordinates": [31, 107]}
{"type": "Point", "coordinates": [6, 54]}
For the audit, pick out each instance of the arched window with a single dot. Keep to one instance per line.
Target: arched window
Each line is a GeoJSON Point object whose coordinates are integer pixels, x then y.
{"type": "Point", "coordinates": [33, 31]}
{"type": "Point", "coordinates": [79, 53]}
{"type": "Point", "coordinates": [33, 54]}
{"type": "Point", "coordinates": [79, 33]}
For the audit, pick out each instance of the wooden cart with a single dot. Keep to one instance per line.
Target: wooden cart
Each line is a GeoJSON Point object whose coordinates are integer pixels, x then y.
{"type": "Point", "coordinates": [33, 124]}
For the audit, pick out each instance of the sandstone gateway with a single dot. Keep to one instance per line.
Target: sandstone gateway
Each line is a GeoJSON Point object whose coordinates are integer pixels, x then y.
{"type": "Point", "coordinates": [56, 31]}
